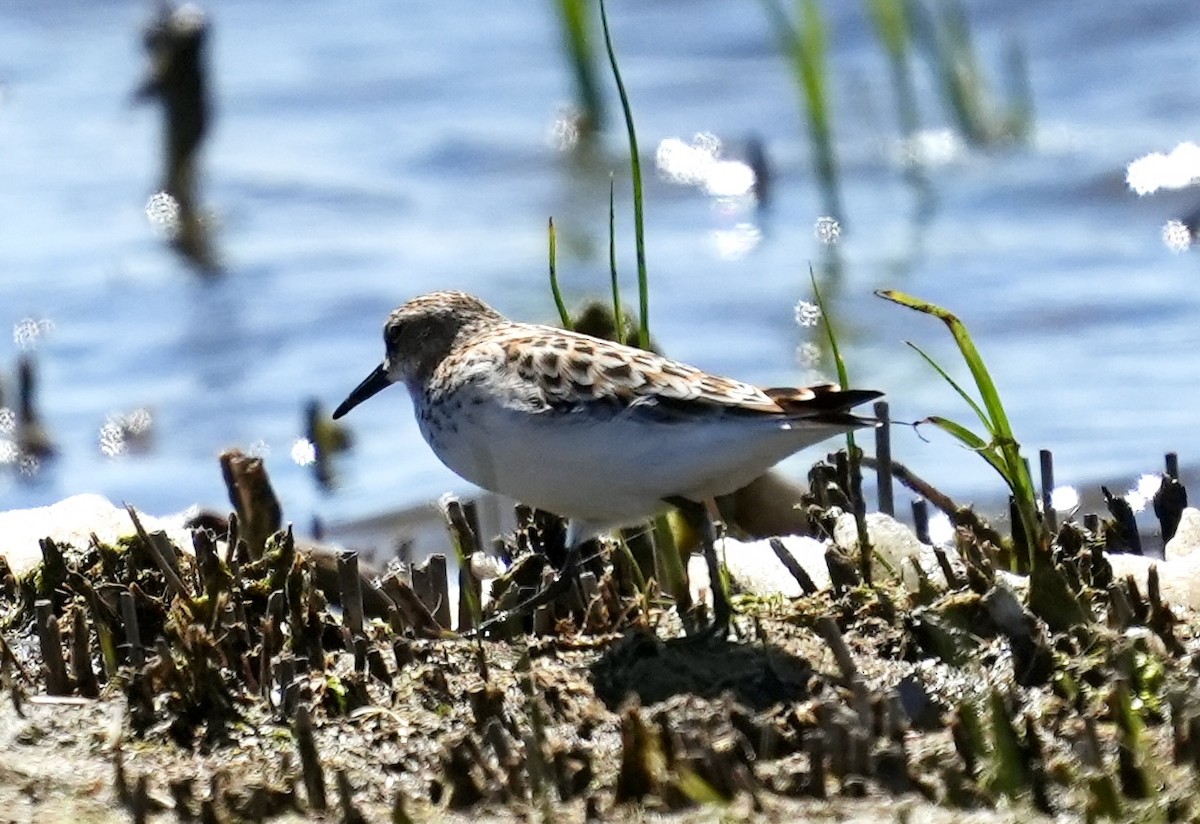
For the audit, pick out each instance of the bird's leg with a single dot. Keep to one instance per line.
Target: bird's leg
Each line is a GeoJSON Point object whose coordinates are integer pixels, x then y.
{"type": "Point", "coordinates": [722, 608]}
{"type": "Point", "coordinates": [705, 515]}
{"type": "Point", "coordinates": [549, 593]}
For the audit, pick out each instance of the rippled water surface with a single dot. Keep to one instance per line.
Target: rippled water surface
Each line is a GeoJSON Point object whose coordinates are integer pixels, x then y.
{"type": "Point", "coordinates": [367, 153]}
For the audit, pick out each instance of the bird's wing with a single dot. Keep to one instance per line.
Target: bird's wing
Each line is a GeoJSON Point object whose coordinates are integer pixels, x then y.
{"type": "Point", "coordinates": [564, 369]}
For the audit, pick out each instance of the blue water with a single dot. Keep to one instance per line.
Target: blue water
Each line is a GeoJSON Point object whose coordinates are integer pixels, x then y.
{"type": "Point", "coordinates": [365, 154]}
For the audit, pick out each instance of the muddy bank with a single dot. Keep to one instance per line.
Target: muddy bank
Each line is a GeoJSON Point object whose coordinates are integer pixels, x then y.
{"type": "Point", "coordinates": [237, 681]}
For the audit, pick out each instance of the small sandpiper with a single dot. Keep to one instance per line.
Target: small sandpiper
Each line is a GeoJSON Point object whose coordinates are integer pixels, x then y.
{"type": "Point", "coordinates": [602, 434]}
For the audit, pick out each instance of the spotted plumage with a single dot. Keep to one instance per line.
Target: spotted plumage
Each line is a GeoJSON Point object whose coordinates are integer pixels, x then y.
{"type": "Point", "coordinates": [595, 431]}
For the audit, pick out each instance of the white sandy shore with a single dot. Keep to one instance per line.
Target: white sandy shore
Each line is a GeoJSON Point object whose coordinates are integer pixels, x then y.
{"type": "Point", "coordinates": [752, 564]}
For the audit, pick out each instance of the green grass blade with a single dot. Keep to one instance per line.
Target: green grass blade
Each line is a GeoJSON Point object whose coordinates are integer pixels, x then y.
{"type": "Point", "coordinates": [669, 563]}
{"type": "Point", "coordinates": [635, 166]}
{"type": "Point", "coordinates": [618, 318]}
{"type": "Point", "coordinates": [852, 453]}
{"type": "Point", "coordinates": [971, 441]}
{"type": "Point", "coordinates": [572, 15]}
{"type": "Point", "coordinates": [890, 19]}
{"type": "Point", "coordinates": [563, 314]}
{"type": "Point", "coordinates": [1005, 449]}
{"type": "Point", "coordinates": [803, 44]}
{"type": "Point", "coordinates": [962, 393]}
{"type": "Point", "coordinates": [983, 380]}
{"type": "Point", "coordinates": [839, 364]}
{"type": "Point", "coordinates": [892, 26]}
{"type": "Point", "coordinates": [1019, 116]}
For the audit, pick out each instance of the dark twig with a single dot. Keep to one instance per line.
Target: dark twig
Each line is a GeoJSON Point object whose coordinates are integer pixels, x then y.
{"type": "Point", "coordinates": [350, 584]}
{"type": "Point", "coordinates": [1046, 458]}
{"type": "Point", "coordinates": [81, 657]}
{"type": "Point", "coordinates": [793, 566]}
{"type": "Point", "coordinates": [918, 485]}
{"type": "Point", "coordinates": [1124, 520]}
{"type": "Point", "coordinates": [883, 459]}
{"type": "Point", "coordinates": [133, 635]}
{"type": "Point", "coordinates": [57, 682]}
{"type": "Point", "coordinates": [920, 511]}
{"type": "Point", "coordinates": [829, 631]}
{"type": "Point", "coordinates": [1172, 465]}
{"type": "Point", "coordinates": [310, 762]}
{"type": "Point", "coordinates": [163, 553]}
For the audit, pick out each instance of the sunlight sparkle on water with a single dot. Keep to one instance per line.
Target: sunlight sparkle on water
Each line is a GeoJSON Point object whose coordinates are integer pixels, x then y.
{"type": "Point", "coordinates": [1176, 170]}
{"type": "Point", "coordinates": [122, 433]}
{"type": "Point", "coordinates": [139, 421]}
{"type": "Point", "coordinates": [931, 147]}
{"type": "Point", "coordinates": [808, 355]}
{"type": "Point", "coordinates": [303, 451]}
{"type": "Point", "coordinates": [684, 163]}
{"type": "Point", "coordinates": [27, 332]}
{"type": "Point", "coordinates": [112, 437]}
{"type": "Point", "coordinates": [737, 242]}
{"type": "Point", "coordinates": [1064, 498]}
{"type": "Point", "coordinates": [729, 178]}
{"type": "Point", "coordinates": [1143, 491]}
{"type": "Point", "coordinates": [699, 163]}
{"type": "Point", "coordinates": [28, 465]}
{"type": "Point", "coordinates": [8, 421]}
{"type": "Point", "coordinates": [163, 212]}
{"type": "Point", "coordinates": [564, 131]}
{"type": "Point", "coordinates": [1176, 236]}
{"type": "Point", "coordinates": [8, 452]}
{"type": "Point", "coordinates": [687, 163]}
{"type": "Point", "coordinates": [941, 531]}
{"type": "Point", "coordinates": [827, 230]}
{"type": "Point", "coordinates": [807, 314]}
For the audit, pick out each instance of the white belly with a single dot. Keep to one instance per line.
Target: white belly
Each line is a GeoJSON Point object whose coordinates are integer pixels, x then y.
{"type": "Point", "coordinates": [612, 471]}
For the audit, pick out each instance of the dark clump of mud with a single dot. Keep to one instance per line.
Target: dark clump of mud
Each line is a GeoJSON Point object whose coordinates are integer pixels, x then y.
{"type": "Point", "coordinates": [757, 676]}
{"type": "Point", "coordinates": [253, 678]}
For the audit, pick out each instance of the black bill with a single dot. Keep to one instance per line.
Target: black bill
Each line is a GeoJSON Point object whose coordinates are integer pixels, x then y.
{"type": "Point", "coordinates": [376, 382]}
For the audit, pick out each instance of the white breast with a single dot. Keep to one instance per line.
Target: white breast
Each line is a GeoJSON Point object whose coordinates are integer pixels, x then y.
{"type": "Point", "coordinates": [613, 470]}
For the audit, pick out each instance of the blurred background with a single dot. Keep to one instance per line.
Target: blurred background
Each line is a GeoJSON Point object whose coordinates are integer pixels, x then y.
{"type": "Point", "coordinates": [974, 155]}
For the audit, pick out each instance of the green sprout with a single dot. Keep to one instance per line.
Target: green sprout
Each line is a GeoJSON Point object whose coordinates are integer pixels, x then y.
{"type": "Point", "coordinates": [803, 44]}
{"type": "Point", "coordinates": [890, 19]}
{"type": "Point", "coordinates": [618, 314]}
{"type": "Point", "coordinates": [997, 445]}
{"type": "Point", "coordinates": [852, 452]}
{"type": "Point", "coordinates": [573, 17]}
{"type": "Point", "coordinates": [635, 166]}
{"type": "Point", "coordinates": [563, 314]}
